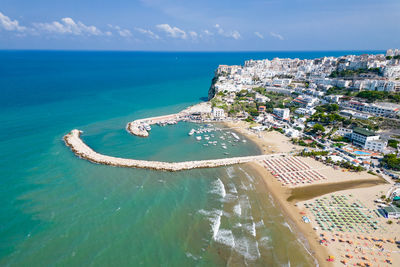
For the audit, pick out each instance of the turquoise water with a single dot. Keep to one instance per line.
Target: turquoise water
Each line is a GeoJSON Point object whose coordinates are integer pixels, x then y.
{"type": "Point", "coordinates": [59, 210]}
{"type": "Point", "coordinates": [358, 152]}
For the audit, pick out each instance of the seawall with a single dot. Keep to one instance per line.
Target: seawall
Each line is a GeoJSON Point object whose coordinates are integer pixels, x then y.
{"type": "Point", "coordinates": [82, 150]}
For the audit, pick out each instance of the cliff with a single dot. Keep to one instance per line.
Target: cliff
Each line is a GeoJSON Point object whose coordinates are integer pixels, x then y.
{"type": "Point", "coordinates": [211, 91]}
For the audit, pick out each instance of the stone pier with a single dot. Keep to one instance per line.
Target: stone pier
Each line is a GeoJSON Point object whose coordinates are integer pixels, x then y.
{"type": "Point", "coordinates": [82, 150]}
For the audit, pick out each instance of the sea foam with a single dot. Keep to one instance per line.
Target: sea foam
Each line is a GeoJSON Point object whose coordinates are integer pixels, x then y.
{"type": "Point", "coordinates": [230, 171]}
{"type": "Point", "coordinates": [216, 223]}
{"type": "Point", "coordinates": [225, 237]}
{"type": "Point", "coordinates": [247, 248]}
{"type": "Point", "coordinates": [218, 188]}
{"type": "Point", "coordinates": [237, 209]}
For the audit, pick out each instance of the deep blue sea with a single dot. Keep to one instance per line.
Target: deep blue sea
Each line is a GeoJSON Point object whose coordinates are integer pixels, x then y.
{"type": "Point", "coordinates": [59, 210]}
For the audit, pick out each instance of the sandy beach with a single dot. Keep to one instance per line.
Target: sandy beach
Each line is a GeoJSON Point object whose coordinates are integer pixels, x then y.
{"type": "Point", "coordinates": [268, 142]}
{"type": "Point", "coordinates": [336, 181]}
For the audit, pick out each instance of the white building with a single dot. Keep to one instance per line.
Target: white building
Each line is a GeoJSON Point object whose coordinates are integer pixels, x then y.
{"type": "Point", "coordinates": [382, 109]}
{"type": "Point", "coordinates": [305, 101]}
{"type": "Point", "coordinates": [218, 113]}
{"type": "Point", "coordinates": [305, 111]}
{"type": "Point", "coordinates": [375, 145]}
{"type": "Point", "coordinates": [367, 140]}
{"type": "Point", "coordinates": [282, 113]}
{"type": "Point", "coordinates": [344, 132]}
{"type": "Point", "coordinates": [292, 133]}
{"type": "Point", "coordinates": [261, 98]}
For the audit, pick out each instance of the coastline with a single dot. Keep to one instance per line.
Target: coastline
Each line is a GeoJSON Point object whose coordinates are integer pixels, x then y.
{"type": "Point", "coordinates": [287, 197]}
{"type": "Point", "coordinates": [304, 232]}
{"type": "Point", "coordinates": [272, 145]}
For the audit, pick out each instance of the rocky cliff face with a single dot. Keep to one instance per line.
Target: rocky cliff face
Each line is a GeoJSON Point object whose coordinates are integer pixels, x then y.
{"type": "Point", "coordinates": [211, 91]}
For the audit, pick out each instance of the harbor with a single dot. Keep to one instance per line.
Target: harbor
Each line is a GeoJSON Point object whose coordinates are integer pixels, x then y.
{"type": "Point", "coordinates": [193, 113]}
{"type": "Point", "coordinates": [82, 150]}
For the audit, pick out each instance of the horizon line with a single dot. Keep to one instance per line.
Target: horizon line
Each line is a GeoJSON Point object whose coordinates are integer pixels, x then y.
{"type": "Point", "coordinates": [193, 51]}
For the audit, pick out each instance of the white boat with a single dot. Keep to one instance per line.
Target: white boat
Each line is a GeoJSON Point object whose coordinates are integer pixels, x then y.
{"type": "Point", "coordinates": [146, 126]}
{"type": "Point", "coordinates": [198, 138]}
{"type": "Point", "coordinates": [244, 141]}
{"type": "Point", "coordinates": [224, 147]}
{"type": "Point", "coordinates": [207, 137]}
{"type": "Point", "coordinates": [235, 135]}
{"type": "Point", "coordinates": [191, 132]}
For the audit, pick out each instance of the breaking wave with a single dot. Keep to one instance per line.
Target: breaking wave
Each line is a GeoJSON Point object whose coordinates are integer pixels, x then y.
{"type": "Point", "coordinates": [225, 237]}
{"type": "Point", "coordinates": [237, 209]}
{"type": "Point", "coordinates": [218, 188]}
{"type": "Point", "coordinates": [230, 171]}
{"type": "Point", "coordinates": [247, 248]}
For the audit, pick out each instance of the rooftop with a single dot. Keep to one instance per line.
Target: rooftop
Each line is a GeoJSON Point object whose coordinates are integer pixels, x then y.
{"type": "Point", "coordinates": [363, 131]}
{"type": "Point", "coordinates": [392, 208]}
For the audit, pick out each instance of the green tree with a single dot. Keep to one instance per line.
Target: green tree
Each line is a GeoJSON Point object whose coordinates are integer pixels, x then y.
{"type": "Point", "coordinates": [391, 161]}
{"type": "Point", "coordinates": [318, 129]}
{"type": "Point", "coordinates": [393, 143]}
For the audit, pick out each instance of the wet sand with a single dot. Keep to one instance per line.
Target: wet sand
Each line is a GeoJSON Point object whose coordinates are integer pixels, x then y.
{"type": "Point", "coordinates": [312, 191]}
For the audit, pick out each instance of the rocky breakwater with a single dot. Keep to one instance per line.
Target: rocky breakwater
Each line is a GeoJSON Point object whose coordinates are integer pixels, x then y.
{"type": "Point", "coordinates": [137, 127]}
{"type": "Point", "coordinates": [82, 150]}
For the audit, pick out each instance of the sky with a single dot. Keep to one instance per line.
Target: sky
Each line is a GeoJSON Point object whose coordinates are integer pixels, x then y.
{"type": "Point", "coordinates": [200, 25]}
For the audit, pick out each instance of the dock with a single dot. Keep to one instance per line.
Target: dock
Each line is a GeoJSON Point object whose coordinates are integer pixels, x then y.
{"type": "Point", "coordinates": [136, 127]}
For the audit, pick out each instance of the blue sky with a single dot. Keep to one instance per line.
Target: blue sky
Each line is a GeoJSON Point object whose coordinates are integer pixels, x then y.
{"type": "Point", "coordinates": [200, 25]}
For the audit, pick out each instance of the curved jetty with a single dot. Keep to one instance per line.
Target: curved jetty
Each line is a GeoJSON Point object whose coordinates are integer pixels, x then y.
{"type": "Point", "coordinates": [137, 127]}
{"type": "Point", "coordinates": [82, 150]}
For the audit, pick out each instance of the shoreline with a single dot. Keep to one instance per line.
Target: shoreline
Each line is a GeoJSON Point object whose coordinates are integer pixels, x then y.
{"type": "Point", "coordinates": [287, 197]}
{"type": "Point", "coordinates": [304, 232]}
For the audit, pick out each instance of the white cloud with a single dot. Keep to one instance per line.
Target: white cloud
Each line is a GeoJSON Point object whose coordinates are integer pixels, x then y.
{"type": "Point", "coordinates": [207, 32]}
{"type": "Point", "coordinates": [235, 35]}
{"type": "Point", "coordinates": [120, 31]}
{"type": "Point", "coordinates": [125, 33]}
{"type": "Point", "coordinates": [259, 35]}
{"type": "Point", "coordinates": [68, 26]}
{"type": "Point", "coordinates": [10, 25]}
{"type": "Point", "coordinates": [193, 34]}
{"type": "Point", "coordinates": [232, 34]}
{"type": "Point", "coordinates": [173, 32]}
{"type": "Point", "coordinates": [277, 35]}
{"type": "Point", "coordinates": [219, 29]}
{"type": "Point", "coordinates": [148, 33]}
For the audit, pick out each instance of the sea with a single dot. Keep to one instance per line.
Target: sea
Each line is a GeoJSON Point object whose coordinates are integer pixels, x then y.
{"type": "Point", "coordinates": [59, 210]}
